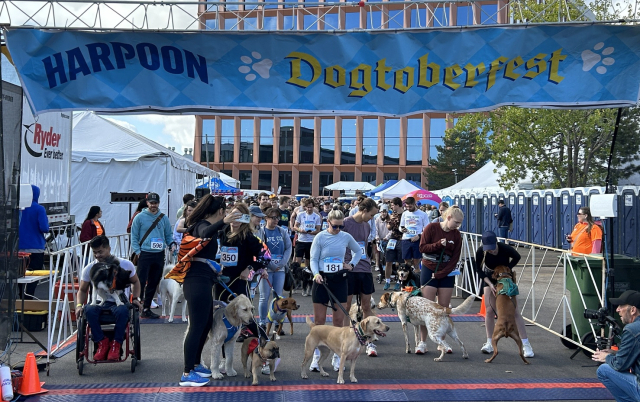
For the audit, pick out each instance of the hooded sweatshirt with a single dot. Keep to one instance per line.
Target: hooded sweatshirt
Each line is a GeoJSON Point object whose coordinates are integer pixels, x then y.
{"type": "Point", "coordinates": [161, 235]}
{"type": "Point", "coordinates": [33, 225]}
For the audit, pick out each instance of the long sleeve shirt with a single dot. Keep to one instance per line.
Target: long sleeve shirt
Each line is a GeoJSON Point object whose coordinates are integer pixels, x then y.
{"type": "Point", "coordinates": [507, 255]}
{"type": "Point", "coordinates": [327, 245]}
{"type": "Point", "coordinates": [628, 355]}
{"type": "Point", "coordinates": [430, 244]}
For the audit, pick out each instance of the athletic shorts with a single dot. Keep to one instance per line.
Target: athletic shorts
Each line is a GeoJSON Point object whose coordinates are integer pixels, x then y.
{"type": "Point", "coordinates": [411, 250]}
{"type": "Point", "coordinates": [303, 250]}
{"type": "Point", "coordinates": [426, 276]}
{"type": "Point", "coordinates": [337, 283]}
{"type": "Point", "coordinates": [360, 283]}
{"type": "Point", "coordinates": [394, 255]}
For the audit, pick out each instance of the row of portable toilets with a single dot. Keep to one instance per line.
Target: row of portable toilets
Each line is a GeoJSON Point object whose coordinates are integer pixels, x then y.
{"type": "Point", "coordinates": [544, 217]}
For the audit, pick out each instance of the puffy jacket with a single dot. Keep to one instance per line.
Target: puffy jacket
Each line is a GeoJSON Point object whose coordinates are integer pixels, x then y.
{"type": "Point", "coordinates": [33, 224]}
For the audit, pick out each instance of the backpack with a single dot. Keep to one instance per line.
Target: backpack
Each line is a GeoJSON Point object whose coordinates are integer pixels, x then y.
{"type": "Point", "coordinates": [189, 247]}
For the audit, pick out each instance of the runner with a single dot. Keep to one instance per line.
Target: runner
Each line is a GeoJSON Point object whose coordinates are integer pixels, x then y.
{"type": "Point", "coordinates": [308, 225]}
{"type": "Point", "coordinates": [412, 223]}
{"type": "Point", "coordinates": [394, 245]}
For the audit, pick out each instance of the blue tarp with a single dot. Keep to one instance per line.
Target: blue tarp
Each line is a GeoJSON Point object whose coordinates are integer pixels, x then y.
{"type": "Point", "coordinates": [217, 186]}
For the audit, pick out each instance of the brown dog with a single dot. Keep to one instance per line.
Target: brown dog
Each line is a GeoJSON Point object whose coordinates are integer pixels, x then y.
{"type": "Point", "coordinates": [506, 310]}
{"type": "Point", "coordinates": [342, 341]}
{"type": "Point", "coordinates": [279, 308]}
{"type": "Point", "coordinates": [255, 353]}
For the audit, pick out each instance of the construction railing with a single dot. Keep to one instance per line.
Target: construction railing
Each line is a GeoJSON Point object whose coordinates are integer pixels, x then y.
{"type": "Point", "coordinates": [546, 277]}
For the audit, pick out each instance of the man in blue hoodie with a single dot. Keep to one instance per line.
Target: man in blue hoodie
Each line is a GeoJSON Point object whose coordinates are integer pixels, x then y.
{"type": "Point", "coordinates": [150, 250]}
{"type": "Point", "coordinates": [34, 224]}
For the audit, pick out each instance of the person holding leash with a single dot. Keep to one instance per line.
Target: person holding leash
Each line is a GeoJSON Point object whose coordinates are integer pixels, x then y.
{"type": "Point", "coordinates": [440, 245]}
{"type": "Point", "coordinates": [329, 268]}
{"type": "Point", "coordinates": [488, 257]}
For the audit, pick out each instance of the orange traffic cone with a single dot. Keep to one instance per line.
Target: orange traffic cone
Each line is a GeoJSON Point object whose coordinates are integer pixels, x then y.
{"type": "Point", "coordinates": [482, 307]}
{"type": "Point", "coordinates": [31, 384]}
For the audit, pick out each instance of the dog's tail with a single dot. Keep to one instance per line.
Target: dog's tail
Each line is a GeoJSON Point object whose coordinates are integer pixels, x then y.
{"type": "Point", "coordinates": [465, 306]}
{"type": "Point", "coordinates": [310, 323]}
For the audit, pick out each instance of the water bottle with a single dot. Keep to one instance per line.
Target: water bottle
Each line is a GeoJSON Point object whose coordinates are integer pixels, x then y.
{"type": "Point", "coordinates": [7, 387]}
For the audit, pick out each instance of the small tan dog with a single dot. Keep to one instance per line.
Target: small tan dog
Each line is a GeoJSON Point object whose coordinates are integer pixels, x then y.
{"type": "Point", "coordinates": [506, 311]}
{"type": "Point", "coordinates": [279, 308]}
{"type": "Point", "coordinates": [257, 353]}
{"type": "Point", "coordinates": [346, 342]}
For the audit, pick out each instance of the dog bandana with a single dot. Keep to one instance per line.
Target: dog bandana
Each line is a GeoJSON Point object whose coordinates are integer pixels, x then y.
{"type": "Point", "coordinates": [253, 345]}
{"type": "Point", "coordinates": [231, 330]}
{"type": "Point", "coordinates": [508, 287]}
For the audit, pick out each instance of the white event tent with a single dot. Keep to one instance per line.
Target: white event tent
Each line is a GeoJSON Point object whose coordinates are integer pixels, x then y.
{"type": "Point", "coordinates": [350, 186]}
{"type": "Point", "coordinates": [108, 158]}
{"type": "Point", "coordinates": [400, 189]}
{"type": "Point", "coordinates": [484, 179]}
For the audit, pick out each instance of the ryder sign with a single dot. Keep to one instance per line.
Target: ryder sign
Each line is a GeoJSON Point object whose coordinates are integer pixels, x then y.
{"type": "Point", "coordinates": [355, 73]}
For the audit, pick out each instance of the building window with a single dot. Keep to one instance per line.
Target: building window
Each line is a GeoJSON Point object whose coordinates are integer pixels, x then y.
{"type": "Point", "coordinates": [284, 181]}
{"type": "Point", "coordinates": [227, 172]}
{"type": "Point", "coordinates": [370, 142]}
{"type": "Point", "coordinates": [226, 141]}
{"type": "Point", "coordinates": [415, 177]}
{"type": "Point", "coordinates": [264, 180]}
{"type": "Point", "coordinates": [369, 177]}
{"type": "Point", "coordinates": [392, 142]}
{"type": "Point", "coordinates": [414, 141]}
{"type": "Point", "coordinates": [327, 141]}
{"type": "Point", "coordinates": [266, 141]}
{"type": "Point", "coordinates": [208, 140]}
{"type": "Point", "coordinates": [245, 179]}
{"type": "Point", "coordinates": [347, 176]}
{"type": "Point", "coordinates": [306, 141]}
{"type": "Point", "coordinates": [304, 182]}
{"type": "Point", "coordinates": [286, 141]}
{"type": "Point", "coordinates": [326, 178]}
{"type": "Point", "coordinates": [390, 176]}
{"type": "Point", "coordinates": [348, 156]}
{"type": "Point", "coordinates": [436, 136]}
{"type": "Point", "coordinates": [246, 141]}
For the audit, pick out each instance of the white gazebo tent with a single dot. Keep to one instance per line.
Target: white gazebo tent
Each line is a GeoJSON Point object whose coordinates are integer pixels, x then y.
{"type": "Point", "coordinates": [400, 189]}
{"type": "Point", "coordinates": [350, 186]}
{"type": "Point", "coordinates": [108, 158]}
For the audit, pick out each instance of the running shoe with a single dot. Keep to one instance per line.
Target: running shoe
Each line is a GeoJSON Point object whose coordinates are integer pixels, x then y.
{"type": "Point", "coordinates": [193, 380]}
{"type": "Point", "coordinates": [202, 371]}
{"type": "Point", "coordinates": [487, 348]}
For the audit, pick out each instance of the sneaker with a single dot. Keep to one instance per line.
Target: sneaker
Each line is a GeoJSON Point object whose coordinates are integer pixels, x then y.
{"type": "Point", "coordinates": [421, 348]}
{"type": "Point", "coordinates": [221, 366]}
{"type": "Point", "coordinates": [102, 350]}
{"type": "Point", "coordinates": [202, 371]}
{"type": "Point", "coordinates": [265, 369]}
{"type": "Point", "coordinates": [387, 285]}
{"type": "Point", "coordinates": [193, 380]}
{"type": "Point", "coordinates": [371, 350]}
{"type": "Point", "coordinates": [528, 351]}
{"type": "Point", "coordinates": [114, 351]}
{"type": "Point", "coordinates": [154, 304]}
{"type": "Point", "coordinates": [314, 367]}
{"type": "Point", "coordinates": [149, 314]}
{"type": "Point", "coordinates": [397, 287]}
{"type": "Point", "coordinates": [335, 361]}
{"type": "Point", "coordinates": [487, 348]}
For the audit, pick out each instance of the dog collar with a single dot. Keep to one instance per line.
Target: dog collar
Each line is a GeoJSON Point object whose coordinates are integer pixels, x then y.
{"type": "Point", "coordinates": [362, 338]}
{"type": "Point", "coordinates": [113, 284]}
{"type": "Point", "coordinates": [276, 307]}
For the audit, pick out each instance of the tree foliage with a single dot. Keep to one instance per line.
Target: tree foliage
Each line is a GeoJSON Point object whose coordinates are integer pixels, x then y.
{"type": "Point", "coordinates": [560, 148]}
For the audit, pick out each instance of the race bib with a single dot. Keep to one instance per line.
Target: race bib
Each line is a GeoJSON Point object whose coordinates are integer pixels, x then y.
{"type": "Point", "coordinates": [392, 244]}
{"type": "Point", "coordinates": [157, 243]}
{"type": "Point", "coordinates": [332, 264]}
{"type": "Point", "coordinates": [309, 226]}
{"type": "Point", "coordinates": [276, 258]}
{"type": "Point", "coordinates": [229, 256]}
{"type": "Point", "coordinates": [325, 225]}
{"type": "Point", "coordinates": [412, 230]}
{"type": "Point", "coordinates": [362, 249]}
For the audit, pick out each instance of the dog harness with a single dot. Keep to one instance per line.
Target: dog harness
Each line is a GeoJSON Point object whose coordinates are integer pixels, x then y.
{"type": "Point", "coordinates": [508, 287]}
{"type": "Point", "coordinates": [275, 314]}
{"type": "Point", "coordinates": [231, 330]}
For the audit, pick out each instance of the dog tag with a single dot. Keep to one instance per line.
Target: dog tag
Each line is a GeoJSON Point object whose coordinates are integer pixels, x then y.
{"type": "Point", "coordinates": [392, 244]}
{"type": "Point", "coordinates": [332, 264]}
{"type": "Point", "coordinates": [309, 226]}
{"type": "Point", "coordinates": [157, 243]}
{"type": "Point", "coordinates": [229, 256]}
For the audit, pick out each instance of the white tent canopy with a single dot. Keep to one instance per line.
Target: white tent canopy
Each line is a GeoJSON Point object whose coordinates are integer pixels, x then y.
{"type": "Point", "coordinates": [228, 180]}
{"type": "Point", "coordinates": [400, 189]}
{"type": "Point", "coordinates": [350, 186]}
{"type": "Point", "coordinates": [484, 179]}
{"type": "Point", "coordinates": [108, 158]}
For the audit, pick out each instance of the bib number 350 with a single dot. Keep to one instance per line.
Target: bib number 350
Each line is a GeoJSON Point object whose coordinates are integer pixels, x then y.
{"type": "Point", "coordinates": [229, 256]}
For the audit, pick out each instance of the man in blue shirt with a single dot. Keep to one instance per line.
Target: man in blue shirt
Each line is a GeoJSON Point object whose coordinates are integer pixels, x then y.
{"type": "Point", "coordinates": [620, 372]}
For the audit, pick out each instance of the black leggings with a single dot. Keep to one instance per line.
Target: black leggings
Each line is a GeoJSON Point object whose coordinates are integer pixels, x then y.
{"type": "Point", "coordinates": [197, 293]}
{"type": "Point", "coordinates": [149, 270]}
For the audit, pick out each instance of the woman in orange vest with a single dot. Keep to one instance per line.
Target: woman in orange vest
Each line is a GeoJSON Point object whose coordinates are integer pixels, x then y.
{"type": "Point", "coordinates": [91, 227]}
{"type": "Point", "coordinates": [586, 237]}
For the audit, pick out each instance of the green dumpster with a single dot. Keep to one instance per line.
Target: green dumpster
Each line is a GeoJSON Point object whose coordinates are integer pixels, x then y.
{"type": "Point", "coordinates": [626, 276]}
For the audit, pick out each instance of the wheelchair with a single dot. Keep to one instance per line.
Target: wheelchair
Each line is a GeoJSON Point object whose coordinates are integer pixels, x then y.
{"type": "Point", "coordinates": [86, 347]}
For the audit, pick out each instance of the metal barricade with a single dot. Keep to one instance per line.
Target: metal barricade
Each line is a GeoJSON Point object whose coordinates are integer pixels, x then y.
{"type": "Point", "coordinates": [545, 300]}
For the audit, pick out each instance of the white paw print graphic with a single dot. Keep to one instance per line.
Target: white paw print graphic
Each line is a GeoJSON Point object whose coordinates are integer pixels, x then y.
{"type": "Point", "coordinates": [254, 63]}
{"type": "Point", "coordinates": [590, 58]}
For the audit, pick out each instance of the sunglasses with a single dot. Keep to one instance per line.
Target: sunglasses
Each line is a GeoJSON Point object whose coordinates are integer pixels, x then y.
{"type": "Point", "coordinates": [337, 227]}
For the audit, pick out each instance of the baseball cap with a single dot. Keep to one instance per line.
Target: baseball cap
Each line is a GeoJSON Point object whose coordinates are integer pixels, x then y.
{"type": "Point", "coordinates": [489, 241]}
{"type": "Point", "coordinates": [327, 202]}
{"type": "Point", "coordinates": [153, 197]}
{"type": "Point", "coordinates": [384, 207]}
{"type": "Point", "coordinates": [256, 211]}
{"type": "Point", "coordinates": [630, 297]}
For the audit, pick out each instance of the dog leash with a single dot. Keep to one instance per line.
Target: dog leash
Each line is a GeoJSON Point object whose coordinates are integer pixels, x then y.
{"type": "Point", "coordinates": [335, 300]}
{"type": "Point", "coordinates": [434, 272]}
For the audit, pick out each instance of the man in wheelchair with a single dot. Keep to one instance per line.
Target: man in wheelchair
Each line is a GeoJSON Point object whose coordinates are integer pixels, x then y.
{"type": "Point", "coordinates": [105, 350]}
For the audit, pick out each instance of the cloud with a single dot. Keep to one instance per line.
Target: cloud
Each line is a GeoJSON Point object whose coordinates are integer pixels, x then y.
{"type": "Point", "coordinates": [181, 129]}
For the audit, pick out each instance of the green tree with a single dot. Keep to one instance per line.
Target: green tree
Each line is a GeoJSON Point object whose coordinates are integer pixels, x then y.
{"type": "Point", "coordinates": [560, 148]}
{"type": "Point", "coordinates": [463, 150]}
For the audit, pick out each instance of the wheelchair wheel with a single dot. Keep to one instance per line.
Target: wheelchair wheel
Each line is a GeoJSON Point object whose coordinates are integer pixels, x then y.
{"type": "Point", "coordinates": [80, 366]}
{"type": "Point", "coordinates": [134, 362]}
{"type": "Point", "coordinates": [136, 335]}
{"type": "Point", "coordinates": [80, 341]}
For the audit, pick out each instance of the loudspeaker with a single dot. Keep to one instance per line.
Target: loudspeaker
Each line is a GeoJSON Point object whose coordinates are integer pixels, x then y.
{"type": "Point", "coordinates": [201, 192]}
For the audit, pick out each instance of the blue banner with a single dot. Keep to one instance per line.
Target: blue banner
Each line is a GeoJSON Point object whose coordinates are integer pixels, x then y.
{"type": "Point", "coordinates": [353, 73]}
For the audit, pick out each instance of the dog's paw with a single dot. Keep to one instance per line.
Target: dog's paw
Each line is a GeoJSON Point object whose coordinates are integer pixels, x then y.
{"type": "Point", "coordinates": [247, 375]}
{"type": "Point", "coordinates": [217, 376]}
{"type": "Point", "coordinates": [254, 383]}
{"type": "Point", "coordinates": [353, 379]}
{"type": "Point", "coordinates": [487, 361]}
{"type": "Point", "coordinates": [272, 378]}
{"type": "Point", "coordinates": [465, 355]}
{"type": "Point", "coordinates": [170, 319]}
{"type": "Point", "coordinates": [185, 319]}
{"type": "Point", "coordinates": [232, 373]}
{"type": "Point", "coordinates": [277, 337]}
{"type": "Point", "coordinates": [304, 376]}
{"type": "Point", "coordinates": [437, 359]}
{"type": "Point", "coordinates": [340, 381]}
{"type": "Point", "coordinates": [325, 374]}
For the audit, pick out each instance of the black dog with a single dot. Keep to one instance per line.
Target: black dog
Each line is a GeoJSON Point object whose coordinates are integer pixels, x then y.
{"type": "Point", "coordinates": [303, 277]}
{"type": "Point", "coordinates": [407, 277]}
{"type": "Point", "coordinates": [109, 278]}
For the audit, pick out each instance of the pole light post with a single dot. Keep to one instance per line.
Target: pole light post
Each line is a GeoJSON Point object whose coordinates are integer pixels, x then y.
{"type": "Point", "coordinates": [455, 174]}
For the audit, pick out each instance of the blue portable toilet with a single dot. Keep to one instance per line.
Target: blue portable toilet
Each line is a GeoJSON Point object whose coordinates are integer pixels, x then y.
{"type": "Point", "coordinates": [550, 218]}
{"type": "Point", "coordinates": [472, 209]}
{"type": "Point", "coordinates": [511, 201]}
{"type": "Point", "coordinates": [628, 214]}
{"type": "Point", "coordinates": [536, 217]}
{"type": "Point", "coordinates": [462, 204]}
{"type": "Point", "coordinates": [447, 199]}
{"type": "Point", "coordinates": [522, 217]}
{"type": "Point", "coordinates": [487, 213]}
{"type": "Point", "coordinates": [567, 215]}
